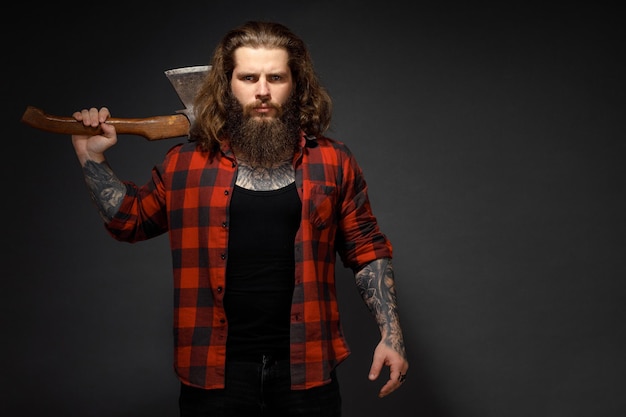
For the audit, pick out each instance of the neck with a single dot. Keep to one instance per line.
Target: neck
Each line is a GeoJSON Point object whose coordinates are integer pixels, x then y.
{"type": "Point", "coordinates": [261, 178]}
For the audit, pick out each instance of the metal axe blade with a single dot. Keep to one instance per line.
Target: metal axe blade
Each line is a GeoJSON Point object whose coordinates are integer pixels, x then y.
{"type": "Point", "coordinates": [185, 81]}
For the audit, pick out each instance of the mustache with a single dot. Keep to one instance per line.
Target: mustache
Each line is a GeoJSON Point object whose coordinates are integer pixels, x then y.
{"type": "Point", "coordinates": [249, 108]}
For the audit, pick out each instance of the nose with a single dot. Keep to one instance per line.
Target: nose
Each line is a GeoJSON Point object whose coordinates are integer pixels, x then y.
{"type": "Point", "coordinates": [263, 89]}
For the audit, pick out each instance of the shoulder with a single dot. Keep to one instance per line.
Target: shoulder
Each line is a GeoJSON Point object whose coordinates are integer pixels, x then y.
{"type": "Point", "coordinates": [182, 147]}
{"type": "Point", "coordinates": [331, 158]}
{"type": "Point", "coordinates": [330, 149]}
{"type": "Point", "coordinates": [327, 144]}
{"type": "Point", "coordinates": [186, 155]}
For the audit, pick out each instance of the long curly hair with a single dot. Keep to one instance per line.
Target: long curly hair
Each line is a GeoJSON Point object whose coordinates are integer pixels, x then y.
{"type": "Point", "coordinates": [313, 102]}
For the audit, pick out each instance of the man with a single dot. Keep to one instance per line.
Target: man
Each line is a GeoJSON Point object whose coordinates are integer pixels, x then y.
{"type": "Point", "coordinates": [257, 205]}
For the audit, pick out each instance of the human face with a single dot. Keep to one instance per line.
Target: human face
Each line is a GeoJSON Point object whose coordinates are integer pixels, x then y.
{"type": "Point", "coordinates": [261, 80]}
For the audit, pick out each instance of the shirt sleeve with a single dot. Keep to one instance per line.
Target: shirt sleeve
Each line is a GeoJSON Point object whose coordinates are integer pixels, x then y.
{"type": "Point", "coordinates": [359, 238]}
{"type": "Point", "coordinates": [143, 213]}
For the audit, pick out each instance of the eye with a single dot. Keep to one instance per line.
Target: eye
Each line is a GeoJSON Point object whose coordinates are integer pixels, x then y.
{"type": "Point", "coordinates": [246, 77]}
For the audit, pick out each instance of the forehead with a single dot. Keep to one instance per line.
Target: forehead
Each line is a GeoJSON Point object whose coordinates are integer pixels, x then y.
{"type": "Point", "coordinates": [255, 60]}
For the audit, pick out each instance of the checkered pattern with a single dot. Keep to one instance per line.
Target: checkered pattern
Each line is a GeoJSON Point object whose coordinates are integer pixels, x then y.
{"type": "Point", "coordinates": [189, 195]}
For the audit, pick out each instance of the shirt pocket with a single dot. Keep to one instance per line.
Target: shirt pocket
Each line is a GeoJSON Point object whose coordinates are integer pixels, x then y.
{"type": "Point", "coordinates": [322, 206]}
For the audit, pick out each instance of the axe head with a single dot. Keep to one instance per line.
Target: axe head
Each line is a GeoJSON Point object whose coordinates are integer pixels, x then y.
{"type": "Point", "coordinates": [186, 82]}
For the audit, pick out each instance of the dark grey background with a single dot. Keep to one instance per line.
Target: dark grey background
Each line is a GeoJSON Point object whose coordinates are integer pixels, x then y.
{"type": "Point", "coordinates": [492, 138]}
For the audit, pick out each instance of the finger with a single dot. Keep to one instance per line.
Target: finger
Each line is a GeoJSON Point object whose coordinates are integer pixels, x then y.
{"type": "Point", "coordinates": [389, 387]}
{"type": "Point", "coordinates": [375, 369]}
{"type": "Point", "coordinates": [103, 114]}
{"type": "Point", "coordinates": [94, 116]}
{"type": "Point", "coordinates": [87, 117]}
{"type": "Point", "coordinates": [396, 379]}
{"type": "Point", "coordinates": [84, 116]}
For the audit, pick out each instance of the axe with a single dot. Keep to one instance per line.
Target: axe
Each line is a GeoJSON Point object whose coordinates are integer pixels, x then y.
{"type": "Point", "coordinates": [186, 82]}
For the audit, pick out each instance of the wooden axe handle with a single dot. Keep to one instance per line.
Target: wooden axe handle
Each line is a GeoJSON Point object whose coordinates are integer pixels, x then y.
{"type": "Point", "coordinates": [151, 128]}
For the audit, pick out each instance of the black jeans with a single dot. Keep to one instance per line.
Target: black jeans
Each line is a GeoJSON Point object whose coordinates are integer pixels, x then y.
{"type": "Point", "coordinates": [260, 389]}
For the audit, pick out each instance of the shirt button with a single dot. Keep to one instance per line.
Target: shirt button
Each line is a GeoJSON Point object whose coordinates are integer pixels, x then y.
{"type": "Point", "coordinates": [223, 256]}
{"type": "Point", "coordinates": [219, 289]}
{"type": "Point", "coordinates": [223, 224]}
{"type": "Point", "coordinates": [225, 192]}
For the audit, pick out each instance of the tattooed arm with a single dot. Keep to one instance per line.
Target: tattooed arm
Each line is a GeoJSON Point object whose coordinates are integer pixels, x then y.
{"type": "Point", "coordinates": [375, 282]}
{"type": "Point", "coordinates": [106, 190]}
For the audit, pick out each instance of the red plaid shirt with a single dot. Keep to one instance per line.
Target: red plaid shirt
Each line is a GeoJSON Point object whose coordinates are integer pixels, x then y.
{"type": "Point", "coordinates": [189, 196]}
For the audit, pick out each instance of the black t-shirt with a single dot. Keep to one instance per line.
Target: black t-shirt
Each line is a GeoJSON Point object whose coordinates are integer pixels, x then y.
{"type": "Point", "coordinates": [260, 271]}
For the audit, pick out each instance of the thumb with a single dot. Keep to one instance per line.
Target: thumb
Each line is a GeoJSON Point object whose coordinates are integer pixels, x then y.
{"type": "Point", "coordinates": [108, 130]}
{"type": "Point", "coordinates": [377, 366]}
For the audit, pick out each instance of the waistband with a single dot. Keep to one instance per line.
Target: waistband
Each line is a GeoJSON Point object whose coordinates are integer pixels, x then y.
{"type": "Point", "coordinates": [257, 357]}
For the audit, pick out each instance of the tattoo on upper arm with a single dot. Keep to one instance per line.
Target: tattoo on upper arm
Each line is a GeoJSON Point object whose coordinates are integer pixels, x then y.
{"type": "Point", "coordinates": [376, 284]}
{"type": "Point", "coordinates": [105, 189]}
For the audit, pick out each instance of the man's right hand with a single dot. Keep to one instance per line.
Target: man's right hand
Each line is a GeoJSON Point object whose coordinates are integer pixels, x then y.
{"type": "Point", "coordinates": [92, 148]}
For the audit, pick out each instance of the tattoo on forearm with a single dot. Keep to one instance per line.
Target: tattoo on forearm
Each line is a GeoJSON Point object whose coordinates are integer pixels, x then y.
{"type": "Point", "coordinates": [377, 287]}
{"type": "Point", "coordinates": [105, 189]}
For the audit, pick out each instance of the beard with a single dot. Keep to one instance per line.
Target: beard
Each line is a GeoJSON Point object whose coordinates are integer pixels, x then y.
{"type": "Point", "coordinates": [262, 141]}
